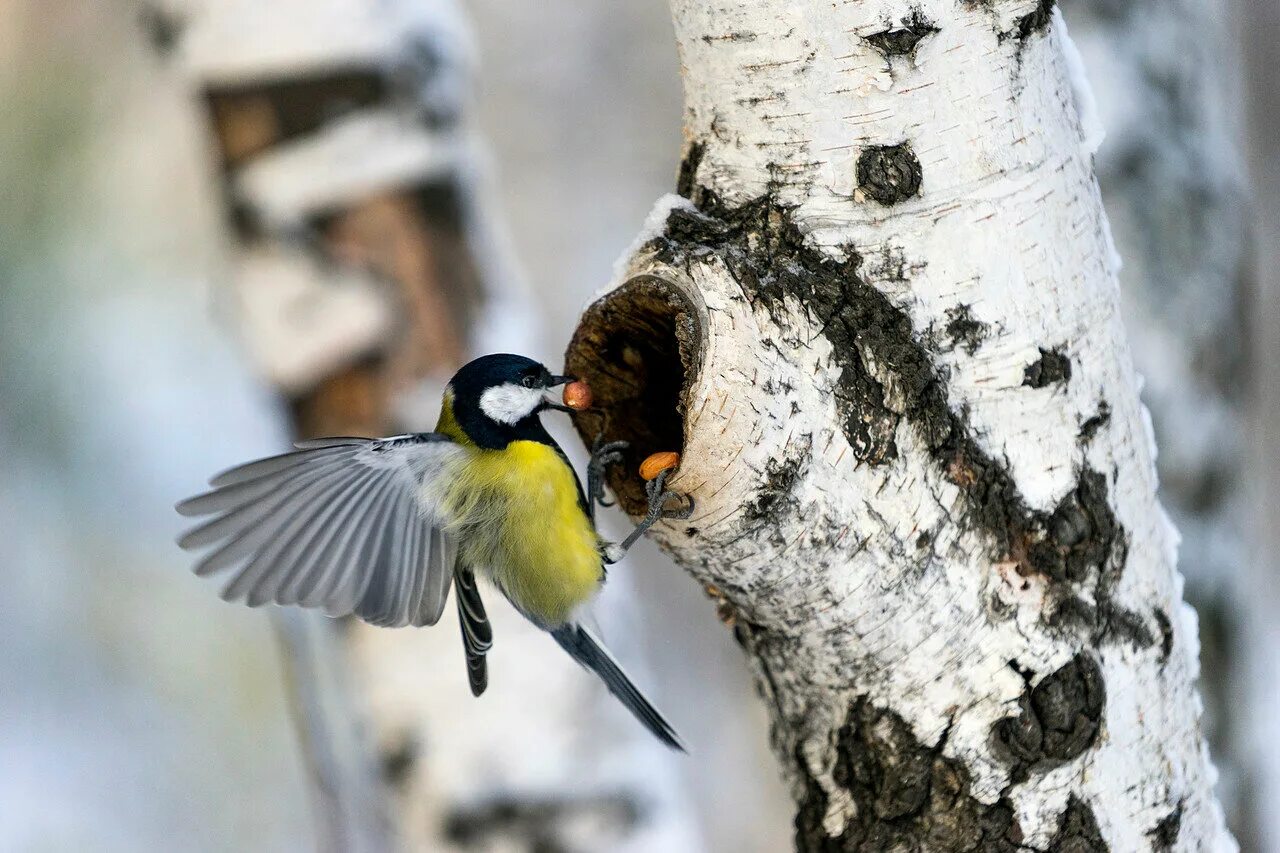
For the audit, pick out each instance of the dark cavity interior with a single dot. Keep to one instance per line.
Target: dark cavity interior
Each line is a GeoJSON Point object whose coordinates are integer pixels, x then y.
{"type": "Point", "coordinates": [634, 349]}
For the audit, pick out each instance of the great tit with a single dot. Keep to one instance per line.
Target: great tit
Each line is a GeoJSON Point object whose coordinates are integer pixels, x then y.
{"type": "Point", "coordinates": [379, 528]}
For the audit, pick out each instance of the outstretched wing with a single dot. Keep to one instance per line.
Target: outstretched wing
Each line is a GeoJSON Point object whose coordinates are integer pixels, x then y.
{"type": "Point", "coordinates": [340, 524]}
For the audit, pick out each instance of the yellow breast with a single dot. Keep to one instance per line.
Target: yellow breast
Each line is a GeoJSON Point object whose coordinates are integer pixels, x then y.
{"type": "Point", "coordinates": [519, 520]}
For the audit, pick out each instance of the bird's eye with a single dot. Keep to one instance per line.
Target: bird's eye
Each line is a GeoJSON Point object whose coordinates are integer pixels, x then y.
{"type": "Point", "coordinates": [527, 382]}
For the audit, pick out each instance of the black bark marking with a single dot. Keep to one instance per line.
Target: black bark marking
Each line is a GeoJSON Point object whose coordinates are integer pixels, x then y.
{"type": "Point", "coordinates": [1122, 624]}
{"type": "Point", "coordinates": [688, 177]}
{"type": "Point", "coordinates": [1166, 634]}
{"type": "Point", "coordinates": [965, 331]}
{"type": "Point", "coordinates": [1080, 534]}
{"type": "Point", "coordinates": [908, 795]}
{"type": "Point", "coordinates": [1165, 834]}
{"type": "Point", "coordinates": [780, 477]}
{"type": "Point", "coordinates": [1086, 547]}
{"type": "Point", "coordinates": [1058, 720]}
{"type": "Point", "coordinates": [902, 40]}
{"type": "Point", "coordinates": [730, 37]}
{"type": "Point", "coordinates": [889, 174]}
{"type": "Point", "coordinates": [1052, 366]}
{"type": "Point", "coordinates": [1035, 21]}
{"type": "Point", "coordinates": [768, 256]}
{"type": "Point", "coordinates": [1090, 427]}
{"type": "Point", "coordinates": [1077, 830]}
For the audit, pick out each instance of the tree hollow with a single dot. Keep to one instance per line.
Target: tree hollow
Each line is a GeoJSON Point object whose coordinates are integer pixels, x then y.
{"type": "Point", "coordinates": [637, 348]}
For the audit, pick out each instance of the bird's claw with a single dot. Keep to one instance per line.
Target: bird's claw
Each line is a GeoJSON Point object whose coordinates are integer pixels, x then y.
{"type": "Point", "coordinates": [607, 452]}
{"type": "Point", "coordinates": [602, 456]}
{"type": "Point", "coordinates": [657, 493]}
{"type": "Point", "coordinates": [683, 512]}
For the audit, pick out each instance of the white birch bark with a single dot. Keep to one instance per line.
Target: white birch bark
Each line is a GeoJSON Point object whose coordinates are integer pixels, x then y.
{"type": "Point", "coordinates": [884, 334]}
{"type": "Point", "coordinates": [544, 760]}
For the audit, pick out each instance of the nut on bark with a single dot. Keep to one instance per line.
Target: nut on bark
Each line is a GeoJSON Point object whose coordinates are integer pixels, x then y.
{"type": "Point", "coordinates": [656, 463]}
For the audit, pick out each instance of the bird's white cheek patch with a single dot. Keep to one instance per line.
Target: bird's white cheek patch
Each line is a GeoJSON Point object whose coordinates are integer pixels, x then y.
{"type": "Point", "coordinates": [510, 403]}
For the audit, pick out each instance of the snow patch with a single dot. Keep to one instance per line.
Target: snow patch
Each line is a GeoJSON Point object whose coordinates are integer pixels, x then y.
{"type": "Point", "coordinates": [1189, 628]}
{"type": "Point", "coordinates": [654, 226]}
{"type": "Point", "coordinates": [1091, 130]}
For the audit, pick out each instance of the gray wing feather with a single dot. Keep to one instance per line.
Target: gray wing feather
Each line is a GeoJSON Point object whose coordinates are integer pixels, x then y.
{"type": "Point", "coordinates": [383, 589]}
{"type": "Point", "coordinates": [444, 555]}
{"type": "Point", "coordinates": [331, 441]}
{"type": "Point", "coordinates": [242, 528]}
{"type": "Point", "coordinates": [263, 568]}
{"type": "Point", "coordinates": [420, 583]}
{"type": "Point", "coordinates": [297, 554]}
{"type": "Point", "coordinates": [270, 465]}
{"type": "Point", "coordinates": [339, 524]}
{"type": "Point", "coordinates": [274, 575]}
{"type": "Point", "coordinates": [329, 584]}
{"type": "Point", "coordinates": [243, 511]}
{"type": "Point", "coordinates": [339, 564]}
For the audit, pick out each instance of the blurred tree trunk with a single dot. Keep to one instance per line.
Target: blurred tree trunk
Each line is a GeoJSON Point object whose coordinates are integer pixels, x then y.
{"type": "Point", "coordinates": [365, 273]}
{"type": "Point", "coordinates": [1257, 694]}
{"type": "Point", "coordinates": [882, 327]}
{"type": "Point", "coordinates": [1172, 178]}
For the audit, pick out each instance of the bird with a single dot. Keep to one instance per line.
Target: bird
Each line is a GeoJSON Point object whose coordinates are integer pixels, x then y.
{"type": "Point", "coordinates": [380, 528]}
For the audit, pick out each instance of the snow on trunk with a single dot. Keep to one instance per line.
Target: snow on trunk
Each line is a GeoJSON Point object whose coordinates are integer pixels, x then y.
{"type": "Point", "coordinates": [885, 337]}
{"type": "Point", "coordinates": [366, 270]}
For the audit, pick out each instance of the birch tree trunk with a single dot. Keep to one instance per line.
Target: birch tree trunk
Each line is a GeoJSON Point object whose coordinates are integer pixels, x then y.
{"type": "Point", "coordinates": [366, 270]}
{"type": "Point", "coordinates": [881, 325]}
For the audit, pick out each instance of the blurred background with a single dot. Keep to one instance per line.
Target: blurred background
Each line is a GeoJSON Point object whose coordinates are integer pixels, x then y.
{"type": "Point", "coordinates": [417, 181]}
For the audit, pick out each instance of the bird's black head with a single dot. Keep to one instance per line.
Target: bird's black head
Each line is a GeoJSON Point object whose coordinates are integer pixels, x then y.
{"type": "Point", "coordinates": [497, 398]}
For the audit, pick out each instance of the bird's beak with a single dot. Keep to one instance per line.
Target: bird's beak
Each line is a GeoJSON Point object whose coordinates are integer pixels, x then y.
{"type": "Point", "coordinates": [552, 402]}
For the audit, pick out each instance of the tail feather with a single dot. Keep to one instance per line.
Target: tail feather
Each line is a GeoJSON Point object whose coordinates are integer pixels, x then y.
{"type": "Point", "coordinates": [477, 633]}
{"type": "Point", "coordinates": [584, 648]}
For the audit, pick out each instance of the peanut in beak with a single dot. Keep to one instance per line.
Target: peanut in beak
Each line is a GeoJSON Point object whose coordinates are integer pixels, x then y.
{"type": "Point", "coordinates": [577, 395]}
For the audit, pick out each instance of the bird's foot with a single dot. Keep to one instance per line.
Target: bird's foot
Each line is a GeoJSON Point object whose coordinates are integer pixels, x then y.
{"type": "Point", "coordinates": [657, 493]}
{"type": "Point", "coordinates": [602, 456]}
